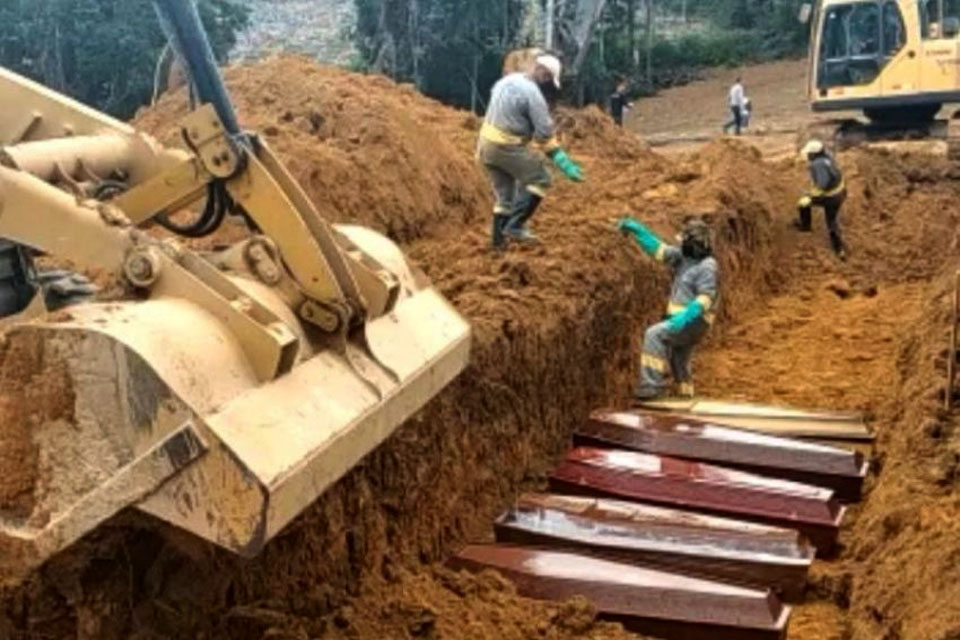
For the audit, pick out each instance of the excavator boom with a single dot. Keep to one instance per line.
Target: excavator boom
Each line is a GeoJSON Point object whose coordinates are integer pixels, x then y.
{"type": "Point", "coordinates": [224, 391]}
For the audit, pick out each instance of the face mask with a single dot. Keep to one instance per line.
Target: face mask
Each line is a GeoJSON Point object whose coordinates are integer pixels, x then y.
{"type": "Point", "coordinates": [694, 248]}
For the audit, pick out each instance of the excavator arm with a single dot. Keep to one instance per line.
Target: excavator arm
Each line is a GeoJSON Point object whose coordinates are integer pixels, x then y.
{"type": "Point", "coordinates": [224, 391]}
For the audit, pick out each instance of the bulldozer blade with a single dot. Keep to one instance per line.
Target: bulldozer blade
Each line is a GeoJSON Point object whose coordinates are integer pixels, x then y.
{"type": "Point", "coordinates": [693, 544]}
{"type": "Point", "coordinates": [813, 511]}
{"type": "Point", "coordinates": [167, 415]}
{"type": "Point", "coordinates": [781, 421]}
{"type": "Point", "coordinates": [644, 600]}
{"type": "Point", "coordinates": [791, 459]}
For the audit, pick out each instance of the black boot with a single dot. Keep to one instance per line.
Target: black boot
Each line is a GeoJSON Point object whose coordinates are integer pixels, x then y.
{"type": "Point", "coordinates": [836, 243]}
{"type": "Point", "coordinates": [498, 241]}
{"type": "Point", "coordinates": [526, 206]}
{"type": "Point", "coordinates": [804, 220]}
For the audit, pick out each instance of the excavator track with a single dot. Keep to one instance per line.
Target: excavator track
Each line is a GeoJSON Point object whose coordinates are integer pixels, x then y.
{"type": "Point", "coordinates": [849, 133]}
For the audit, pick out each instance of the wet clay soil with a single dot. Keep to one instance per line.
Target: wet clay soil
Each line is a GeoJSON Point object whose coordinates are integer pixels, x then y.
{"type": "Point", "coordinates": [555, 335]}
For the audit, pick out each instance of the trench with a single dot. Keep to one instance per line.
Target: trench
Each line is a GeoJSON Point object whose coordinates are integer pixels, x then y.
{"type": "Point", "coordinates": [555, 336]}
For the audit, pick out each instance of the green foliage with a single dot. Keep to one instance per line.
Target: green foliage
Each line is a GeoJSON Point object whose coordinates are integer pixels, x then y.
{"type": "Point", "coordinates": [101, 52]}
{"type": "Point", "coordinates": [728, 32]}
{"type": "Point", "coordinates": [450, 49]}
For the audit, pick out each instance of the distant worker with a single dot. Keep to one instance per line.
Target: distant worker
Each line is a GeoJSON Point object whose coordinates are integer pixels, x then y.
{"type": "Point", "coordinates": [668, 345]}
{"type": "Point", "coordinates": [747, 113]}
{"type": "Point", "coordinates": [828, 191]}
{"type": "Point", "coordinates": [619, 104]}
{"type": "Point", "coordinates": [737, 100]}
{"type": "Point", "coordinates": [518, 113]}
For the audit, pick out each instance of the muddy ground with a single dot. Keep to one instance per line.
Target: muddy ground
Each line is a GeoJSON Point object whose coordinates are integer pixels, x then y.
{"type": "Point", "coordinates": [555, 335]}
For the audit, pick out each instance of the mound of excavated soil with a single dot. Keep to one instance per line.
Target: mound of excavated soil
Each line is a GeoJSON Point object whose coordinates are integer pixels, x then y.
{"type": "Point", "coordinates": [555, 329]}
{"type": "Point", "coordinates": [365, 149]}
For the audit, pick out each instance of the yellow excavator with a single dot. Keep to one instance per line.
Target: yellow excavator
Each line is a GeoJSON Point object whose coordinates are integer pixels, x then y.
{"type": "Point", "coordinates": [224, 391]}
{"type": "Point", "coordinates": [896, 61]}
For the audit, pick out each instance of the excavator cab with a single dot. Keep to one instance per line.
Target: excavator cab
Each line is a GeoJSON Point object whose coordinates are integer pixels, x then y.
{"type": "Point", "coordinates": [221, 392]}
{"type": "Point", "coordinates": [894, 60]}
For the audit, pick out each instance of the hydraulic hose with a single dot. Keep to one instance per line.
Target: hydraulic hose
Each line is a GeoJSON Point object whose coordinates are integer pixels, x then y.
{"type": "Point", "coordinates": [218, 205]}
{"type": "Point", "coordinates": [180, 22]}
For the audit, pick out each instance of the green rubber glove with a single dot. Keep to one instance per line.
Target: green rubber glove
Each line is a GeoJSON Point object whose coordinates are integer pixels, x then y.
{"type": "Point", "coordinates": [647, 240]}
{"type": "Point", "coordinates": [570, 168]}
{"type": "Point", "coordinates": [682, 320]}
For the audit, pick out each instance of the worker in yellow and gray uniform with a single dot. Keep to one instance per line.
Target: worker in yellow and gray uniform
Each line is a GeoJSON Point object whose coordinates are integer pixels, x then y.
{"type": "Point", "coordinates": [828, 191]}
{"type": "Point", "coordinates": [668, 345]}
{"type": "Point", "coordinates": [518, 114]}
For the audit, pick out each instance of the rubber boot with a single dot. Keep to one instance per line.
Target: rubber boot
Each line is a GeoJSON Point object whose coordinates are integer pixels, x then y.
{"type": "Point", "coordinates": [497, 239]}
{"type": "Point", "coordinates": [836, 243]}
{"type": "Point", "coordinates": [516, 228]}
{"type": "Point", "coordinates": [685, 390]}
{"type": "Point", "coordinates": [804, 220]}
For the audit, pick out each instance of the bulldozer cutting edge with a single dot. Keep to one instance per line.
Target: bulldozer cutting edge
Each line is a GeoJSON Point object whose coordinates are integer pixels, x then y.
{"type": "Point", "coordinates": [235, 387]}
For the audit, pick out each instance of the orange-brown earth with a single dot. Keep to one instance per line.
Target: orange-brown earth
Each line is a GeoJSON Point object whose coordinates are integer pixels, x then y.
{"type": "Point", "coordinates": [555, 329]}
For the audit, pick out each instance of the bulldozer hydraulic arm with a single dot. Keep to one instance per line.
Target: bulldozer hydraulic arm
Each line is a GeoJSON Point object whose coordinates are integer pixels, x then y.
{"type": "Point", "coordinates": [222, 391]}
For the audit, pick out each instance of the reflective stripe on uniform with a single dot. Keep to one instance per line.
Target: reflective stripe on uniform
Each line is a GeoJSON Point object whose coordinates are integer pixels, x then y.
{"type": "Point", "coordinates": [493, 134]}
{"type": "Point", "coordinates": [705, 301]}
{"type": "Point", "coordinates": [675, 308]}
{"type": "Point", "coordinates": [837, 189]}
{"type": "Point", "coordinates": [536, 190]}
{"type": "Point", "coordinates": [661, 252]}
{"type": "Point", "coordinates": [686, 390]}
{"type": "Point", "coordinates": [653, 362]}
{"type": "Point", "coordinates": [804, 202]}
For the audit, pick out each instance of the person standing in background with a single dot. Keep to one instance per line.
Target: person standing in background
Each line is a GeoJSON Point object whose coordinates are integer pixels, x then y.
{"type": "Point", "coordinates": [619, 104]}
{"type": "Point", "coordinates": [737, 100]}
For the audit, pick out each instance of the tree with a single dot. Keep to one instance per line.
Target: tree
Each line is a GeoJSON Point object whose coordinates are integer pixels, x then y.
{"type": "Point", "coordinates": [101, 52]}
{"type": "Point", "coordinates": [450, 49]}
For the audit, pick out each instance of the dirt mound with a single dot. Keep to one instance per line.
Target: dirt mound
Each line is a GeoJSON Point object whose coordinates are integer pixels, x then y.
{"type": "Point", "coordinates": [365, 149]}
{"type": "Point", "coordinates": [592, 133]}
{"type": "Point", "coordinates": [555, 328]}
{"type": "Point", "coordinates": [905, 548]}
{"type": "Point", "coordinates": [440, 604]}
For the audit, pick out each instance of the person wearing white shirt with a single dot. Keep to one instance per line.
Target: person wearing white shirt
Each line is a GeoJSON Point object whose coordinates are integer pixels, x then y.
{"type": "Point", "coordinates": [737, 102]}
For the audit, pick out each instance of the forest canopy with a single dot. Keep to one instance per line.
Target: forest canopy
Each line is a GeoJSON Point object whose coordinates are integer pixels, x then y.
{"type": "Point", "coordinates": [101, 52]}
{"type": "Point", "coordinates": [452, 49]}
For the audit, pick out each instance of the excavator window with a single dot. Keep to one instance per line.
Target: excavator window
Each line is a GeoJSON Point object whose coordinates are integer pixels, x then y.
{"type": "Point", "coordinates": [857, 40]}
{"type": "Point", "coordinates": [939, 19]}
{"type": "Point", "coordinates": [894, 31]}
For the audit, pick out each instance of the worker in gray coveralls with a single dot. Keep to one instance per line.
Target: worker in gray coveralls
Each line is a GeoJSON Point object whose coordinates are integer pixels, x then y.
{"type": "Point", "coordinates": [518, 113]}
{"type": "Point", "coordinates": [668, 345]}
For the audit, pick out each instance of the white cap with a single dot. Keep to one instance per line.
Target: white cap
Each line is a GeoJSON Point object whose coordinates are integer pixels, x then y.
{"type": "Point", "coordinates": [812, 147]}
{"type": "Point", "coordinates": [552, 64]}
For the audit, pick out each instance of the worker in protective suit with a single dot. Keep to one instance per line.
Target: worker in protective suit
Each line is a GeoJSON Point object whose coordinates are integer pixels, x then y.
{"type": "Point", "coordinates": [668, 345]}
{"type": "Point", "coordinates": [828, 191]}
{"type": "Point", "coordinates": [518, 114]}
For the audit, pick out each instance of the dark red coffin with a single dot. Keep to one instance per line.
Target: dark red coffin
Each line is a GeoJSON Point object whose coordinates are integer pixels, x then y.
{"type": "Point", "coordinates": [813, 511]}
{"type": "Point", "coordinates": [825, 466]}
{"type": "Point", "coordinates": [645, 600]}
{"type": "Point", "coordinates": [690, 543]}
